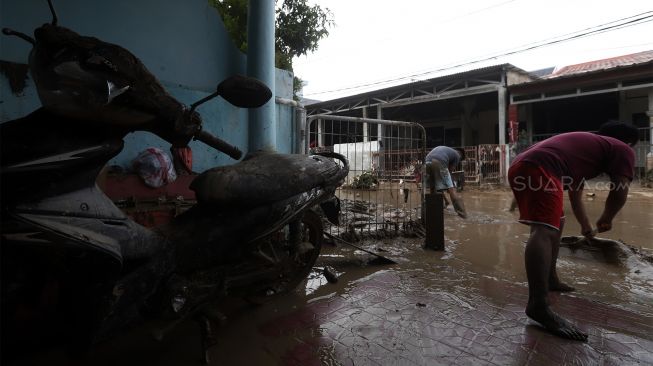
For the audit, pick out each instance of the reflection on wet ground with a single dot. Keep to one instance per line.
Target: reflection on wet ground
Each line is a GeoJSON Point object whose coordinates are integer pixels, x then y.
{"type": "Point", "coordinates": [464, 305]}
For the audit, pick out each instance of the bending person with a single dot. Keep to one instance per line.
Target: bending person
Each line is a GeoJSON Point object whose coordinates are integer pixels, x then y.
{"type": "Point", "coordinates": [439, 163]}
{"type": "Point", "coordinates": [538, 177]}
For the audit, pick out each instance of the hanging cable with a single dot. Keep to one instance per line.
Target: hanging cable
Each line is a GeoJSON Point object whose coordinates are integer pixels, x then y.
{"type": "Point", "coordinates": [629, 21]}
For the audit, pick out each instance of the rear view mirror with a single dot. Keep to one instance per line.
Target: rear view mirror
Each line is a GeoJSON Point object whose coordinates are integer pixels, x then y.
{"type": "Point", "coordinates": [244, 92]}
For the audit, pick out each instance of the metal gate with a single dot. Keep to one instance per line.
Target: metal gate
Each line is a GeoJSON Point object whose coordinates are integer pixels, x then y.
{"type": "Point", "coordinates": [644, 164]}
{"type": "Point", "coordinates": [383, 191]}
{"type": "Point", "coordinates": [483, 164]}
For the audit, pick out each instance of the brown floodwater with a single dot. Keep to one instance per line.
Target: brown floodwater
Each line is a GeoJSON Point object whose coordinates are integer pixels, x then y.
{"type": "Point", "coordinates": [493, 245]}
{"type": "Point", "coordinates": [480, 268]}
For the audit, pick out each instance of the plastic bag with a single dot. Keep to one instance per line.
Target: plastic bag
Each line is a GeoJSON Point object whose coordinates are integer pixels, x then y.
{"type": "Point", "coordinates": [155, 167]}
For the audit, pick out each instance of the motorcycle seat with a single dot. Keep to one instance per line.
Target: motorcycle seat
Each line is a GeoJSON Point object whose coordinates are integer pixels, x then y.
{"type": "Point", "coordinates": [263, 178]}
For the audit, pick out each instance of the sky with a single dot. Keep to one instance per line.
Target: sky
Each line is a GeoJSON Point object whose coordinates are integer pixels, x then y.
{"type": "Point", "coordinates": [376, 44]}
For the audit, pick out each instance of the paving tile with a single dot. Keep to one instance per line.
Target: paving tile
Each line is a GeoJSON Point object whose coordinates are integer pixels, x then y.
{"type": "Point", "coordinates": [381, 323]}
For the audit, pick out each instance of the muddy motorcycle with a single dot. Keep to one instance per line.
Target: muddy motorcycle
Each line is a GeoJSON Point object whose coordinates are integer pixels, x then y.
{"type": "Point", "coordinates": [76, 268]}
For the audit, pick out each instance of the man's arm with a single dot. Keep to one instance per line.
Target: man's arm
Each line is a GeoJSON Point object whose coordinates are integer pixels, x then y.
{"type": "Point", "coordinates": [457, 203]}
{"type": "Point", "coordinates": [615, 201]}
{"type": "Point", "coordinates": [456, 200]}
{"type": "Point", "coordinates": [577, 206]}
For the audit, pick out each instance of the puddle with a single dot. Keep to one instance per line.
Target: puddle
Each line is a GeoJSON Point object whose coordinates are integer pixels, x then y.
{"type": "Point", "coordinates": [491, 243]}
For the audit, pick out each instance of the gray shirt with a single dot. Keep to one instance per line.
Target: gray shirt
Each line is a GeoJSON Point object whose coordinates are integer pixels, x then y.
{"type": "Point", "coordinates": [445, 155]}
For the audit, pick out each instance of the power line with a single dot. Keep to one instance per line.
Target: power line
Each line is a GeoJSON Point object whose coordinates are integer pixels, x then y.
{"type": "Point", "coordinates": [572, 35]}
{"type": "Point", "coordinates": [533, 46]}
{"type": "Point", "coordinates": [644, 17]}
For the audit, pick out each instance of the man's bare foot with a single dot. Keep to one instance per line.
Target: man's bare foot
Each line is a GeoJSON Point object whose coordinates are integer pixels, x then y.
{"type": "Point", "coordinates": [560, 287]}
{"type": "Point", "coordinates": [555, 324]}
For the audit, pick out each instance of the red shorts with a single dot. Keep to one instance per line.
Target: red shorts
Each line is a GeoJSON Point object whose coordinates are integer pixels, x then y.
{"type": "Point", "coordinates": [538, 193]}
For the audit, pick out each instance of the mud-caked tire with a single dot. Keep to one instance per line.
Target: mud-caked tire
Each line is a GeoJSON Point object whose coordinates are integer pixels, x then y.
{"type": "Point", "coordinates": [296, 269]}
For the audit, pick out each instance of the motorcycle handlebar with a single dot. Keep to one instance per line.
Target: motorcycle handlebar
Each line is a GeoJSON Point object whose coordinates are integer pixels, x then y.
{"type": "Point", "coordinates": [219, 144]}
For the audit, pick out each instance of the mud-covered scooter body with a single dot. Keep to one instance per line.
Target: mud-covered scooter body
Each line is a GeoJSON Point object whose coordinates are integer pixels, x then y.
{"type": "Point", "coordinates": [73, 264]}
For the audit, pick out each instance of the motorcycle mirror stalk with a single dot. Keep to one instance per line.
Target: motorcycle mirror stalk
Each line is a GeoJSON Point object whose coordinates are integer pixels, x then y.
{"type": "Point", "coordinates": [241, 91]}
{"type": "Point", "coordinates": [25, 37]}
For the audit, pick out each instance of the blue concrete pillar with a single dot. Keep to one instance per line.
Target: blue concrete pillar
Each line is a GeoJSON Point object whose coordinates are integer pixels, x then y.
{"type": "Point", "coordinates": [260, 64]}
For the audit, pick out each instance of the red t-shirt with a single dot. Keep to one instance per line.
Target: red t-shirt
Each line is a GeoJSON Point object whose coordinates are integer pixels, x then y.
{"type": "Point", "coordinates": [577, 156]}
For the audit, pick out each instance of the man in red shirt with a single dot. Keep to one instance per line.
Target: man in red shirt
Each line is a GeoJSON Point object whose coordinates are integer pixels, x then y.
{"type": "Point", "coordinates": [538, 177]}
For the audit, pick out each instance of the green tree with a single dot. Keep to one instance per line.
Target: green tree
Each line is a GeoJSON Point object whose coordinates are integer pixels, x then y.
{"type": "Point", "coordinates": [299, 27]}
{"type": "Point", "coordinates": [234, 17]}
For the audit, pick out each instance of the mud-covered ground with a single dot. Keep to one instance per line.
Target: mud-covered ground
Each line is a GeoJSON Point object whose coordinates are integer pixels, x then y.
{"type": "Point", "coordinates": [463, 305]}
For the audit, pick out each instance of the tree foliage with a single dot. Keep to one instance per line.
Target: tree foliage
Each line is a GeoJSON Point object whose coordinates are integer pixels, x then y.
{"type": "Point", "coordinates": [234, 17]}
{"type": "Point", "coordinates": [299, 27]}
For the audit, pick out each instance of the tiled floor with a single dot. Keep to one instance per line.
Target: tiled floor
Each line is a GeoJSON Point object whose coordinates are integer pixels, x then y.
{"type": "Point", "coordinates": [392, 318]}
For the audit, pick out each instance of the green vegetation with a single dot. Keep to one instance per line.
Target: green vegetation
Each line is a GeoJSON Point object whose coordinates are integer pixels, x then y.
{"type": "Point", "coordinates": [365, 181]}
{"type": "Point", "coordinates": [299, 28]}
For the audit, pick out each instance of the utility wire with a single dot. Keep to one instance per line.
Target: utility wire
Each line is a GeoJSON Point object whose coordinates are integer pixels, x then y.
{"type": "Point", "coordinates": [572, 35]}
{"type": "Point", "coordinates": [535, 45]}
{"type": "Point", "coordinates": [591, 31]}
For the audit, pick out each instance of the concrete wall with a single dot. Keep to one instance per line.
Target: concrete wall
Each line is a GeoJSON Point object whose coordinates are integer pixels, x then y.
{"type": "Point", "coordinates": [285, 114]}
{"type": "Point", "coordinates": [183, 43]}
{"type": "Point", "coordinates": [513, 77]}
{"type": "Point", "coordinates": [361, 157]}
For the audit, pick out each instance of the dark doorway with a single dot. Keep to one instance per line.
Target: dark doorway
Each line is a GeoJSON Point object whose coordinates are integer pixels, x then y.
{"type": "Point", "coordinates": [584, 113]}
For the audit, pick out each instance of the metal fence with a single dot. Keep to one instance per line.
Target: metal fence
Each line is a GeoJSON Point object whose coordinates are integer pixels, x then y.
{"type": "Point", "coordinates": [644, 164]}
{"type": "Point", "coordinates": [383, 191]}
{"type": "Point", "coordinates": [482, 164]}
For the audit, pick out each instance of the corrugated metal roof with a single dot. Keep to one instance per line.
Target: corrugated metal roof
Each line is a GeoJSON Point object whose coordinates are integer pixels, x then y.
{"type": "Point", "coordinates": [604, 64]}
{"type": "Point", "coordinates": [469, 69]}
{"type": "Point", "coordinates": [542, 72]}
{"type": "Point", "coordinates": [459, 71]}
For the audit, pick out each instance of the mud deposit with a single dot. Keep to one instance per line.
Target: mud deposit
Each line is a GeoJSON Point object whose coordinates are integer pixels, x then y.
{"type": "Point", "coordinates": [463, 305]}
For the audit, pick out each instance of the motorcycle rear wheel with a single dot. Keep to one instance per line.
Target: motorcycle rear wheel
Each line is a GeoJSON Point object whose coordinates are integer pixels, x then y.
{"type": "Point", "coordinates": [295, 265]}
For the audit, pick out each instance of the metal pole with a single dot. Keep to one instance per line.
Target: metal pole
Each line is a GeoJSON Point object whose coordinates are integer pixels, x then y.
{"type": "Point", "coordinates": [505, 159]}
{"type": "Point", "coordinates": [365, 137]}
{"type": "Point", "coordinates": [260, 64]}
{"type": "Point", "coordinates": [649, 113]}
{"type": "Point", "coordinates": [300, 120]}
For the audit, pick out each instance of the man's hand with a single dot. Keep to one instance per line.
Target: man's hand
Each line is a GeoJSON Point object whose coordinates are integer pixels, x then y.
{"type": "Point", "coordinates": [578, 208]}
{"type": "Point", "coordinates": [459, 206]}
{"type": "Point", "coordinates": [603, 225]}
{"type": "Point", "coordinates": [589, 234]}
{"type": "Point", "coordinates": [615, 201]}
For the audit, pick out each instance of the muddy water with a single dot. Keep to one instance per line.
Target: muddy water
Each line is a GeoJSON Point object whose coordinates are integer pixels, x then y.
{"type": "Point", "coordinates": [480, 271]}
{"type": "Point", "coordinates": [493, 245]}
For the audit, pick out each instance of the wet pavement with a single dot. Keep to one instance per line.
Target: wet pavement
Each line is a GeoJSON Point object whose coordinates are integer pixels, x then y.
{"type": "Point", "coordinates": [464, 305]}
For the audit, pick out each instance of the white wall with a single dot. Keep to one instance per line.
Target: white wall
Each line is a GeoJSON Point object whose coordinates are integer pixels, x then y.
{"type": "Point", "coordinates": [361, 157]}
